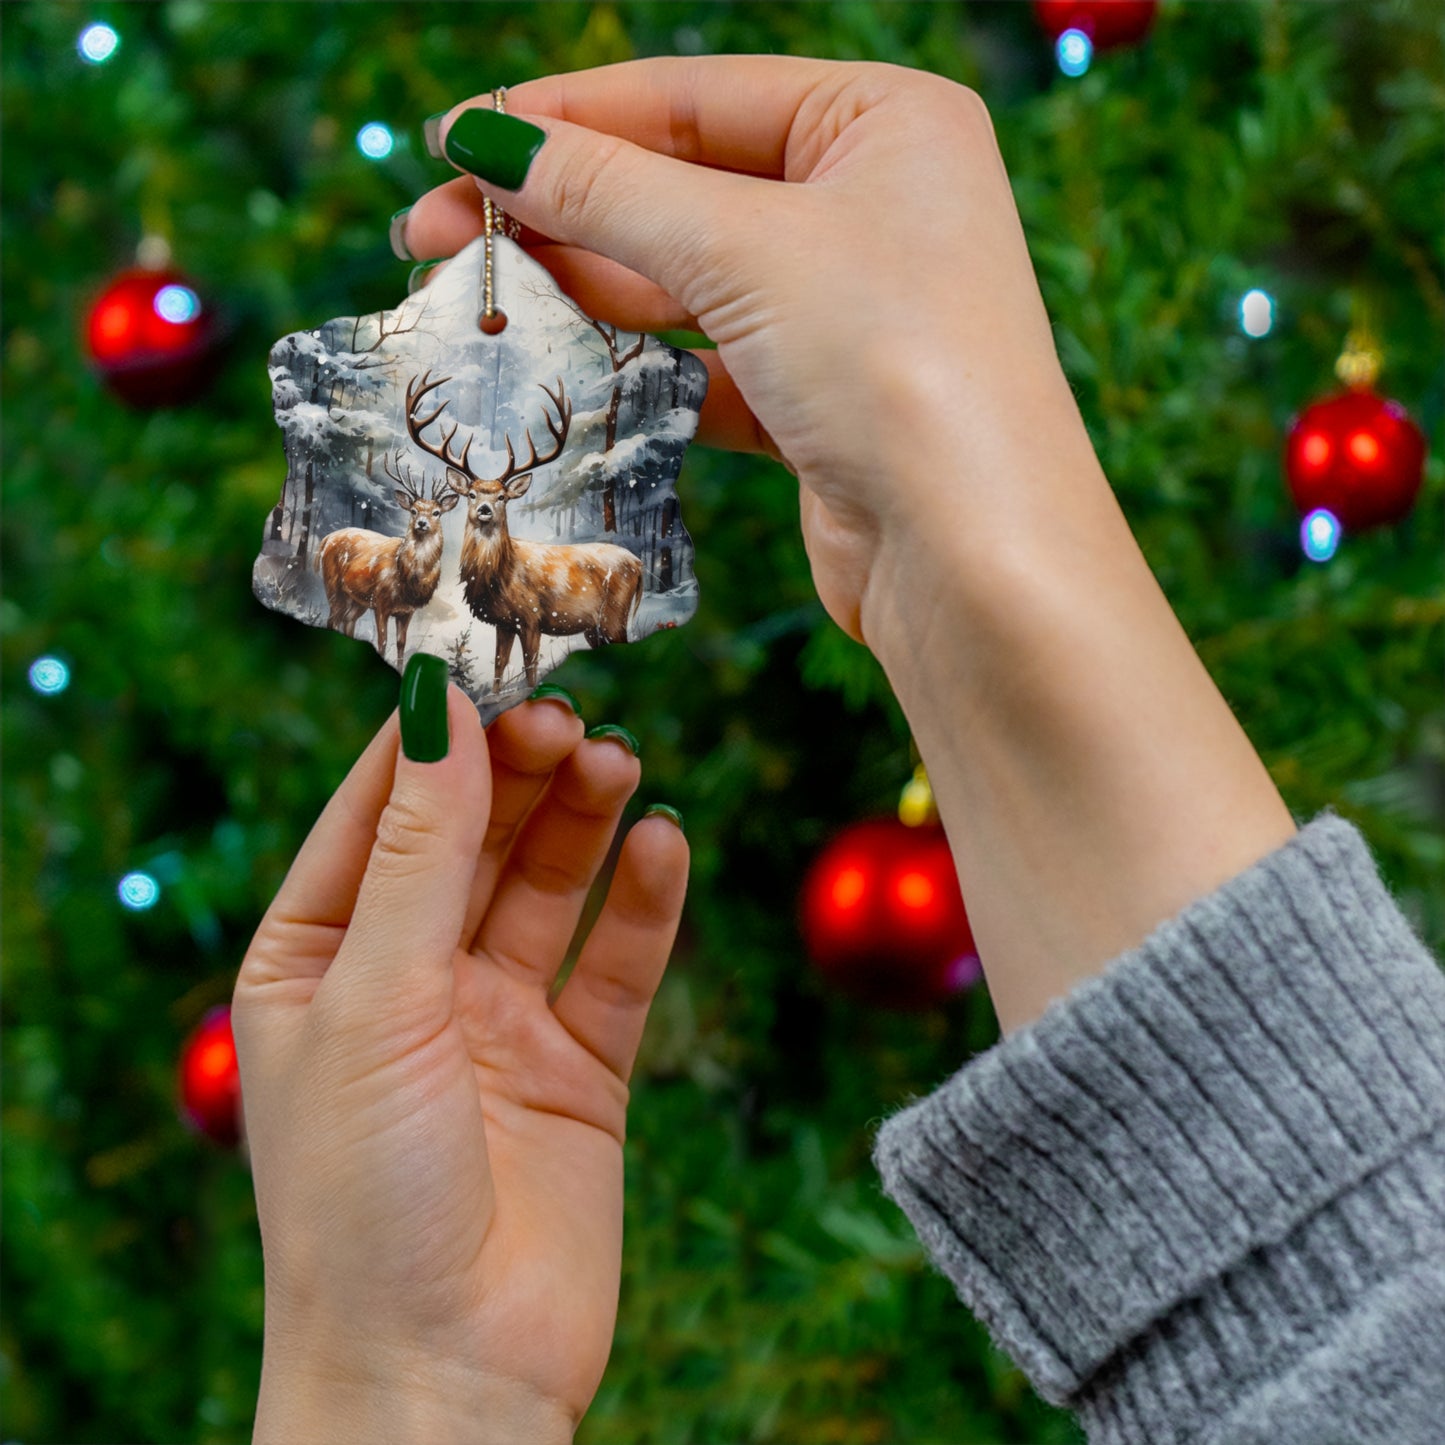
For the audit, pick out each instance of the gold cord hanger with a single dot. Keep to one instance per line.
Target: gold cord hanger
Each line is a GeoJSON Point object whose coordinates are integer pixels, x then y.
{"type": "Point", "coordinates": [494, 219]}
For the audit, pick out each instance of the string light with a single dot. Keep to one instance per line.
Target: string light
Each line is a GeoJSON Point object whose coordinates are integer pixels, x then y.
{"type": "Point", "coordinates": [1074, 52]}
{"type": "Point", "coordinates": [1319, 535]}
{"type": "Point", "coordinates": [138, 891]}
{"type": "Point", "coordinates": [966, 969]}
{"type": "Point", "coordinates": [97, 44]}
{"type": "Point", "coordinates": [49, 675]}
{"type": "Point", "coordinates": [177, 304]}
{"type": "Point", "coordinates": [375, 141]}
{"type": "Point", "coordinates": [1256, 313]}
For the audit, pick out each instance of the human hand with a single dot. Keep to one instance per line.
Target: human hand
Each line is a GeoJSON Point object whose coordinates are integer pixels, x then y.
{"type": "Point", "coordinates": [437, 1149]}
{"type": "Point", "coordinates": [877, 319]}
{"type": "Point", "coordinates": [847, 235]}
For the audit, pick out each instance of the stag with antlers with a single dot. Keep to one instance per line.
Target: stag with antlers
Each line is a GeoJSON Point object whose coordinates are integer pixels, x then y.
{"type": "Point", "coordinates": [527, 589]}
{"type": "Point", "coordinates": [393, 576]}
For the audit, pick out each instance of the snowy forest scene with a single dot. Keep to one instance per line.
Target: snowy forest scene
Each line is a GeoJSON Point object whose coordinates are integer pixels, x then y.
{"type": "Point", "coordinates": [495, 499]}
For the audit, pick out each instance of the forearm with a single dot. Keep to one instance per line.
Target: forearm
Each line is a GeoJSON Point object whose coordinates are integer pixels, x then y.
{"type": "Point", "coordinates": [1091, 778]}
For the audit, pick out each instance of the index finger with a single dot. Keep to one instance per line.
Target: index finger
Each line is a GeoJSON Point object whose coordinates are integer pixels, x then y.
{"type": "Point", "coordinates": [732, 112]}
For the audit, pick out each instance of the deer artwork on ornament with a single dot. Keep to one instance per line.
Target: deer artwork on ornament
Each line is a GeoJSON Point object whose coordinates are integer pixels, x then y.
{"type": "Point", "coordinates": [393, 576]}
{"type": "Point", "coordinates": [528, 589]}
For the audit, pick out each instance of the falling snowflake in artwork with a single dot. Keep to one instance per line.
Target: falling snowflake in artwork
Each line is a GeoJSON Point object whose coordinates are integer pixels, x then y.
{"type": "Point", "coordinates": [497, 500]}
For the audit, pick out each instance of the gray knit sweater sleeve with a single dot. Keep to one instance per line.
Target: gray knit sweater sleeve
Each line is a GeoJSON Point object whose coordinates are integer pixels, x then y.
{"type": "Point", "coordinates": [1202, 1199]}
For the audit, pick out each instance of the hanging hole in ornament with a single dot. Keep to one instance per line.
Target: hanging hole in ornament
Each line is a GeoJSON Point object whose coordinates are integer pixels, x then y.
{"type": "Point", "coordinates": [493, 324]}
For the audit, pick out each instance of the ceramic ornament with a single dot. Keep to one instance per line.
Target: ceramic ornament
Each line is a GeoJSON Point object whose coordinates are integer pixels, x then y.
{"type": "Point", "coordinates": [497, 500]}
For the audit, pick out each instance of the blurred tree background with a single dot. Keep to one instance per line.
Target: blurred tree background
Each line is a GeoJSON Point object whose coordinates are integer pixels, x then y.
{"type": "Point", "coordinates": [770, 1292]}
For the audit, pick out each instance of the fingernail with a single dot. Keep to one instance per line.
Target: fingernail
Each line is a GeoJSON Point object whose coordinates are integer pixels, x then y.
{"type": "Point", "coordinates": [615, 730]}
{"type": "Point", "coordinates": [396, 234]}
{"type": "Point", "coordinates": [414, 280]}
{"type": "Point", "coordinates": [498, 148]}
{"type": "Point", "coordinates": [431, 133]}
{"type": "Point", "coordinates": [424, 709]}
{"type": "Point", "coordinates": [663, 810]}
{"type": "Point", "coordinates": [550, 689]}
{"type": "Point", "coordinates": [687, 340]}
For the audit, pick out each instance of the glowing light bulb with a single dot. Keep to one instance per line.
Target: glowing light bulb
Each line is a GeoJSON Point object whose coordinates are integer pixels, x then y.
{"type": "Point", "coordinates": [848, 888]}
{"type": "Point", "coordinates": [1256, 313]}
{"type": "Point", "coordinates": [138, 891]}
{"type": "Point", "coordinates": [97, 44]}
{"type": "Point", "coordinates": [1074, 52]}
{"type": "Point", "coordinates": [49, 675]}
{"type": "Point", "coordinates": [1319, 535]}
{"type": "Point", "coordinates": [375, 141]}
{"type": "Point", "coordinates": [177, 304]}
{"type": "Point", "coordinates": [964, 970]}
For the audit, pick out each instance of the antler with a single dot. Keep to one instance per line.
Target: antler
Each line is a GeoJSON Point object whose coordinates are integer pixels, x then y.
{"type": "Point", "coordinates": [393, 468]}
{"type": "Point", "coordinates": [417, 388]}
{"type": "Point", "coordinates": [558, 428]}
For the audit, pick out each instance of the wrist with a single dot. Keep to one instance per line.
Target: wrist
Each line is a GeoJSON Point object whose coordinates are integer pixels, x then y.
{"type": "Point", "coordinates": [393, 1397]}
{"type": "Point", "coordinates": [997, 482]}
{"type": "Point", "coordinates": [975, 551]}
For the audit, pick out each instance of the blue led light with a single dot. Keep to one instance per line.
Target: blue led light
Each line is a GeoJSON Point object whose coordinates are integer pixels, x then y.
{"type": "Point", "coordinates": [177, 304]}
{"type": "Point", "coordinates": [49, 675]}
{"type": "Point", "coordinates": [138, 891]}
{"type": "Point", "coordinates": [1256, 313]}
{"type": "Point", "coordinates": [1319, 535]}
{"type": "Point", "coordinates": [97, 44]}
{"type": "Point", "coordinates": [1074, 52]}
{"type": "Point", "coordinates": [375, 140]}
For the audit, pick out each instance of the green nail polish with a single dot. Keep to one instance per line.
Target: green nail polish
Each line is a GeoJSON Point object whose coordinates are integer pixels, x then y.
{"type": "Point", "coordinates": [413, 281]}
{"type": "Point", "coordinates": [687, 340]}
{"type": "Point", "coordinates": [431, 133]}
{"type": "Point", "coordinates": [424, 736]}
{"type": "Point", "coordinates": [396, 234]}
{"type": "Point", "coordinates": [498, 148]}
{"type": "Point", "coordinates": [550, 689]}
{"type": "Point", "coordinates": [663, 810]}
{"type": "Point", "coordinates": [615, 730]}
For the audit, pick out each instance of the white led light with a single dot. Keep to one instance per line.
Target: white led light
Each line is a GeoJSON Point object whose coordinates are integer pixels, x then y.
{"type": "Point", "coordinates": [1319, 535]}
{"type": "Point", "coordinates": [177, 304]}
{"type": "Point", "coordinates": [1074, 52]}
{"type": "Point", "coordinates": [138, 891]}
{"type": "Point", "coordinates": [375, 141]}
{"type": "Point", "coordinates": [1256, 313]}
{"type": "Point", "coordinates": [97, 43]}
{"type": "Point", "coordinates": [49, 675]}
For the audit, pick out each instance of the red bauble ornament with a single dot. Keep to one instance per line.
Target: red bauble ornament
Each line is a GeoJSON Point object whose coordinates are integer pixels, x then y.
{"type": "Point", "coordinates": [1107, 23]}
{"type": "Point", "coordinates": [883, 918]}
{"type": "Point", "coordinates": [152, 338]}
{"type": "Point", "coordinates": [1358, 455]}
{"type": "Point", "coordinates": [210, 1081]}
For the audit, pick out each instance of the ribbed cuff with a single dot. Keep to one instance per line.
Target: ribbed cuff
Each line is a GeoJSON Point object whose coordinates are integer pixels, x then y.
{"type": "Point", "coordinates": [1228, 1130]}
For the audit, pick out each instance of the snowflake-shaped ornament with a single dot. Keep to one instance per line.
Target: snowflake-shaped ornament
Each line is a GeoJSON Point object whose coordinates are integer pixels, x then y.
{"type": "Point", "coordinates": [454, 492]}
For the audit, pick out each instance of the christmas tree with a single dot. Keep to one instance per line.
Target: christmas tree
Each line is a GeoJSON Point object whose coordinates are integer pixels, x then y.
{"type": "Point", "coordinates": [162, 728]}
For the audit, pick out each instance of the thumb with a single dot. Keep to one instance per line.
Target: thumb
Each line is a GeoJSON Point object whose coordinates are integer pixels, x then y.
{"type": "Point", "coordinates": [666, 219]}
{"type": "Point", "coordinates": [398, 950]}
